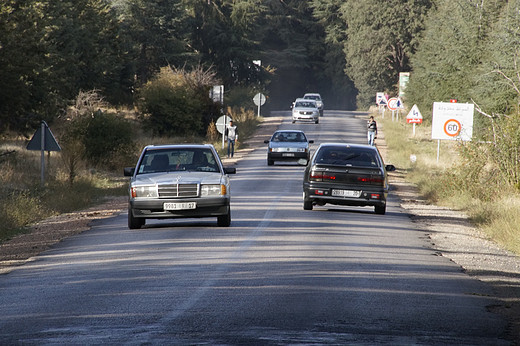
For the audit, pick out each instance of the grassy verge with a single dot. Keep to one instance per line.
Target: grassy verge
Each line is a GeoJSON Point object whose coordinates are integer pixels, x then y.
{"type": "Point", "coordinates": [24, 201]}
{"type": "Point", "coordinates": [455, 182]}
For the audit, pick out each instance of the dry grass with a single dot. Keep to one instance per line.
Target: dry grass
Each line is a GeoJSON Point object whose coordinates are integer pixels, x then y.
{"type": "Point", "coordinates": [491, 204]}
{"type": "Point", "coordinates": [24, 200]}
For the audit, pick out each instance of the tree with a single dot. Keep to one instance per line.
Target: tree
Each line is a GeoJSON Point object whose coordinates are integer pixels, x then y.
{"type": "Point", "coordinates": [223, 33]}
{"type": "Point", "coordinates": [292, 43]}
{"type": "Point", "coordinates": [176, 102]}
{"type": "Point", "coordinates": [22, 64]}
{"type": "Point", "coordinates": [50, 50]}
{"type": "Point", "coordinates": [451, 49]}
{"type": "Point", "coordinates": [157, 33]}
{"type": "Point", "coordinates": [341, 91]}
{"type": "Point", "coordinates": [381, 37]}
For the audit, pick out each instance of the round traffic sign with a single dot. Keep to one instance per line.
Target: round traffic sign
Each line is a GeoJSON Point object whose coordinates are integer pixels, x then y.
{"type": "Point", "coordinates": [393, 103]}
{"type": "Point", "coordinates": [452, 127]}
{"type": "Point", "coordinates": [259, 99]}
{"type": "Point", "coordinates": [222, 122]}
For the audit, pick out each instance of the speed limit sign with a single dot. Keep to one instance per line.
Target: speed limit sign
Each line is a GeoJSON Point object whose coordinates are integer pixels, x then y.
{"type": "Point", "coordinates": [453, 121]}
{"type": "Point", "coordinates": [452, 127]}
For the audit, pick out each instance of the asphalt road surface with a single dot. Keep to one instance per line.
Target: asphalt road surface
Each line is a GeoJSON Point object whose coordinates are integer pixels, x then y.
{"type": "Point", "coordinates": [278, 276]}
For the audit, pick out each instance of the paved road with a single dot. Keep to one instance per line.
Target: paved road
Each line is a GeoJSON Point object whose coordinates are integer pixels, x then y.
{"type": "Point", "coordinates": [279, 275]}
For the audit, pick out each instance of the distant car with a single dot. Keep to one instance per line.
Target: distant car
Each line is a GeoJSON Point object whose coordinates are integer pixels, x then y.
{"type": "Point", "coordinates": [346, 174]}
{"type": "Point", "coordinates": [305, 110]}
{"type": "Point", "coordinates": [288, 145]}
{"type": "Point", "coordinates": [178, 181]}
{"type": "Point", "coordinates": [316, 97]}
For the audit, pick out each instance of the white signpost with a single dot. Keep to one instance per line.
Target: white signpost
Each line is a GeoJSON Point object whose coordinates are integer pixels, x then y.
{"type": "Point", "coordinates": [221, 126]}
{"type": "Point", "coordinates": [452, 121]}
{"type": "Point", "coordinates": [259, 100]}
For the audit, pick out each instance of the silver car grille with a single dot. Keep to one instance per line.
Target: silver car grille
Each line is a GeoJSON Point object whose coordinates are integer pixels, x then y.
{"type": "Point", "coordinates": [178, 190]}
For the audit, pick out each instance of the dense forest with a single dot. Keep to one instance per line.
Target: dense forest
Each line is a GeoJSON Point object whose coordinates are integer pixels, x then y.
{"type": "Point", "coordinates": [347, 50]}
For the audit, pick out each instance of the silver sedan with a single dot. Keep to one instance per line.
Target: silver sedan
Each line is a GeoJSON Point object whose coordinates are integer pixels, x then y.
{"type": "Point", "coordinates": [176, 181]}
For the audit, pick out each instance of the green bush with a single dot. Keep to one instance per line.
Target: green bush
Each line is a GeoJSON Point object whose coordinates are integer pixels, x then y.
{"type": "Point", "coordinates": [17, 210]}
{"type": "Point", "coordinates": [109, 141]}
{"type": "Point", "coordinates": [177, 103]}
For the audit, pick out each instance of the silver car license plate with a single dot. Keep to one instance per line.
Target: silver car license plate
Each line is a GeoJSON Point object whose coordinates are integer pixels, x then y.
{"type": "Point", "coordinates": [180, 206]}
{"type": "Point", "coordinates": [346, 193]}
{"type": "Point", "coordinates": [288, 154]}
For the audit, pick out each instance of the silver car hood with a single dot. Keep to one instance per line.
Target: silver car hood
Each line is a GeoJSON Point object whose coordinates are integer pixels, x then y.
{"type": "Point", "coordinates": [179, 177]}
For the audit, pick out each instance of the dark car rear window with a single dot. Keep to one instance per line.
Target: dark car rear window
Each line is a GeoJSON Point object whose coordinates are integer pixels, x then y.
{"type": "Point", "coordinates": [289, 137]}
{"type": "Point", "coordinates": [347, 156]}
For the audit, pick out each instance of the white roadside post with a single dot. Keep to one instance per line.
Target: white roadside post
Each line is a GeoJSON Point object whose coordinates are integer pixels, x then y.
{"type": "Point", "coordinates": [221, 126]}
{"type": "Point", "coordinates": [259, 100]}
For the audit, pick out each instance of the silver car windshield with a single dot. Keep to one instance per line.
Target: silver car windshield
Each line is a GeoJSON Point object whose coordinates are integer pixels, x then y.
{"type": "Point", "coordinates": [347, 157]}
{"type": "Point", "coordinates": [181, 159]}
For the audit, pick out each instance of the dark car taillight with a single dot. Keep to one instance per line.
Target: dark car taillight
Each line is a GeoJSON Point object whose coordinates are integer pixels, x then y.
{"type": "Point", "coordinates": [371, 180]}
{"type": "Point", "coordinates": [321, 176]}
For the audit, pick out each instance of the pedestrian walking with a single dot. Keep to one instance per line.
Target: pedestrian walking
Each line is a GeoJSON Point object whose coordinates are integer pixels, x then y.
{"type": "Point", "coordinates": [371, 130]}
{"type": "Point", "coordinates": [232, 137]}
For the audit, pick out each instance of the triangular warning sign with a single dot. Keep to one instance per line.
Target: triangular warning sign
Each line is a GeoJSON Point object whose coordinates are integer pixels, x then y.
{"type": "Point", "coordinates": [50, 143]}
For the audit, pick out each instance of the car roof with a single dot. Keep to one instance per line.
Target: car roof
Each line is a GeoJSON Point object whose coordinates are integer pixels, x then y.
{"type": "Point", "coordinates": [178, 146]}
{"type": "Point", "coordinates": [288, 131]}
{"type": "Point", "coordinates": [312, 94]}
{"type": "Point", "coordinates": [350, 145]}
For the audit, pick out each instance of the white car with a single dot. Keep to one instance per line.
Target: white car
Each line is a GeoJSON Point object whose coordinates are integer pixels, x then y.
{"type": "Point", "coordinates": [316, 97]}
{"type": "Point", "coordinates": [178, 181]}
{"type": "Point", "coordinates": [305, 110]}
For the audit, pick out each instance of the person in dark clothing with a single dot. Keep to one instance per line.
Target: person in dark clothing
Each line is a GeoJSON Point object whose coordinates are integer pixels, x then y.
{"type": "Point", "coordinates": [371, 130]}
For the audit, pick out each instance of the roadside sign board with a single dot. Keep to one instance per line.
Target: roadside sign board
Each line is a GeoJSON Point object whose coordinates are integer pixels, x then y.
{"type": "Point", "coordinates": [47, 143]}
{"type": "Point", "coordinates": [395, 103]}
{"type": "Point", "coordinates": [404, 77]}
{"type": "Point", "coordinates": [259, 99]}
{"type": "Point", "coordinates": [222, 123]}
{"type": "Point", "coordinates": [414, 116]}
{"type": "Point", "coordinates": [452, 121]}
{"type": "Point", "coordinates": [381, 99]}
{"type": "Point", "coordinates": [216, 93]}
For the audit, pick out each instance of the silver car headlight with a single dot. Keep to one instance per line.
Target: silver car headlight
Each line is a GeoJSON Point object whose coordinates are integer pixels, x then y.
{"type": "Point", "coordinates": [301, 150]}
{"type": "Point", "coordinates": [212, 190]}
{"type": "Point", "coordinates": [144, 191]}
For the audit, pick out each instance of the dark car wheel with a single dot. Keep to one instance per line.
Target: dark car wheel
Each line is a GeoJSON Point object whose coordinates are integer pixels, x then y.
{"type": "Point", "coordinates": [270, 162]}
{"type": "Point", "coordinates": [133, 222]}
{"type": "Point", "coordinates": [380, 209]}
{"type": "Point", "coordinates": [317, 121]}
{"type": "Point", "coordinates": [224, 220]}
